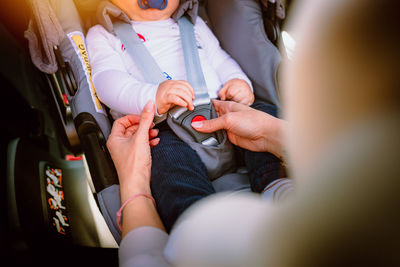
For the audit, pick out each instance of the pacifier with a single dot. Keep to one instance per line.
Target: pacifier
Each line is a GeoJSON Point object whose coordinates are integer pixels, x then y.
{"type": "Point", "coordinates": [157, 4]}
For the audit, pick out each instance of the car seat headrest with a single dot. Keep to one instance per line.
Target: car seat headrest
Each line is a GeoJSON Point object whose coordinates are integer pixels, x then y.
{"type": "Point", "coordinates": [107, 12]}
{"type": "Point", "coordinates": [87, 6]}
{"type": "Point", "coordinates": [188, 7]}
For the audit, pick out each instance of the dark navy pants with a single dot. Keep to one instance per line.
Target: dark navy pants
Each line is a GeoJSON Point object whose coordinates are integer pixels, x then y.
{"type": "Point", "coordinates": [179, 177]}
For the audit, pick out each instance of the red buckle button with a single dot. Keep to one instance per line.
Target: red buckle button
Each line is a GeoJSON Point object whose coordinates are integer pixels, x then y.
{"type": "Point", "coordinates": [198, 118]}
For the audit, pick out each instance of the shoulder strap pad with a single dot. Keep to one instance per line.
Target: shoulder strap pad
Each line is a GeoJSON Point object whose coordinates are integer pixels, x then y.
{"type": "Point", "coordinates": [107, 13]}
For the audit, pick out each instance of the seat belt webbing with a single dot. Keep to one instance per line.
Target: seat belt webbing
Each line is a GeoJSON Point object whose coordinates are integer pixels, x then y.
{"type": "Point", "coordinates": [194, 72]}
{"type": "Point", "coordinates": [139, 53]}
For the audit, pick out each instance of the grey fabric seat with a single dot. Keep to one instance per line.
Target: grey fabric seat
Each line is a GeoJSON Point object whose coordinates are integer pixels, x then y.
{"type": "Point", "coordinates": [242, 34]}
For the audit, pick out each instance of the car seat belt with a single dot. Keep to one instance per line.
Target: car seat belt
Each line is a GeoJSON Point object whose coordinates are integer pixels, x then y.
{"type": "Point", "coordinates": [204, 110]}
{"type": "Point", "coordinates": [194, 72]}
{"type": "Point", "coordinates": [140, 55]}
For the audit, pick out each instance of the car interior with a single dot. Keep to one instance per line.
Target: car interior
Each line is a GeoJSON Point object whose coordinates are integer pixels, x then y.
{"type": "Point", "coordinates": [59, 183]}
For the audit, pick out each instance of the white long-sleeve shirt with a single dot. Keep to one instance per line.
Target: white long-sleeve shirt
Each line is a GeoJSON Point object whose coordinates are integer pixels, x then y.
{"type": "Point", "coordinates": [121, 86]}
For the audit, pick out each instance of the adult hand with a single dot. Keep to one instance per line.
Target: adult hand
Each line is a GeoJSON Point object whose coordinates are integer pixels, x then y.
{"type": "Point", "coordinates": [129, 145]}
{"type": "Point", "coordinates": [246, 127]}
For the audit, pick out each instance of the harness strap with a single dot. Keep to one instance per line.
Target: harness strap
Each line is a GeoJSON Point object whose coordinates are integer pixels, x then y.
{"type": "Point", "coordinates": [152, 71]}
{"type": "Point", "coordinates": [194, 72]}
{"type": "Point", "coordinates": [139, 53]}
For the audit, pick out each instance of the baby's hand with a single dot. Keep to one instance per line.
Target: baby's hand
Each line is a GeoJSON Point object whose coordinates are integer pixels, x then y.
{"type": "Point", "coordinates": [237, 90]}
{"type": "Point", "coordinates": [174, 93]}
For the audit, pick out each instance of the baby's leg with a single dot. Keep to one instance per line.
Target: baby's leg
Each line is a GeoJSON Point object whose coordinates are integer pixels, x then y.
{"type": "Point", "coordinates": [264, 168]}
{"type": "Point", "coordinates": [178, 176]}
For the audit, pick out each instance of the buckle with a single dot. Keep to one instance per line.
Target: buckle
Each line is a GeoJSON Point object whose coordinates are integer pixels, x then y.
{"type": "Point", "coordinates": [185, 117]}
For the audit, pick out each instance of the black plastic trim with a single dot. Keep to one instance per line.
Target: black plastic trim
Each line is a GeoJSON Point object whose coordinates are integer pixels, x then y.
{"type": "Point", "coordinates": [101, 167]}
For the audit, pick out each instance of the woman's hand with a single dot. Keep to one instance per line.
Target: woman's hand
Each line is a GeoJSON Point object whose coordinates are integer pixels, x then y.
{"type": "Point", "coordinates": [129, 145]}
{"type": "Point", "coordinates": [246, 127]}
{"type": "Point", "coordinates": [237, 90]}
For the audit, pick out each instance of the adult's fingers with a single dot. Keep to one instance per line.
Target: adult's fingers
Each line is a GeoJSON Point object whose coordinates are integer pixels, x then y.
{"type": "Point", "coordinates": [209, 126]}
{"type": "Point", "coordinates": [129, 120]}
{"type": "Point", "coordinates": [223, 107]}
{"type": "Point", "coordinates": [153, 133]}
{"type": "Point", "coordinates": [154, 142]}
{"type": "Point", "coordinates": [131, 130]}
{"type": "Point", "coordinates": [146, 119]}
{"type": "Point", "coordinates": [121, 125]}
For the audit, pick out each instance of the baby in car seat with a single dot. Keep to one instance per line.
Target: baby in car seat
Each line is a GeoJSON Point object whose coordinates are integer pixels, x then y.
{"type": "Point", "coordinates": [179, 177]}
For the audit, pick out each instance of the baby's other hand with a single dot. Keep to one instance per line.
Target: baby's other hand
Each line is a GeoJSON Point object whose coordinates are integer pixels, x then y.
{"type": "Point", "coordinates": [172, 93]}
{"type": "Point", "coordinates": [237, 90]}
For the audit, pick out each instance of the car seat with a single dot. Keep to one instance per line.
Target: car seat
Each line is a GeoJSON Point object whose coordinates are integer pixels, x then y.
{"type": "Point", "coordinates": [251, 40]}
{"type": "Point", "coordinates": [86, 121]}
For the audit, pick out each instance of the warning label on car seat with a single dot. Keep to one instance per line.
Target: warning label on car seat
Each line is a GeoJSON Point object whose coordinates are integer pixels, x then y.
{"type": "Point", "coordinates": [77, 40]}
{"type": "Point", "coordinates": [55, 200]}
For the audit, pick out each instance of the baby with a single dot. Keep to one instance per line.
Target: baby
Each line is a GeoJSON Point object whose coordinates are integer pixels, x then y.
{"type": "Point", "coordinates": [179, 177]}
{"type": "Point", "coordinates": [113, 67]}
